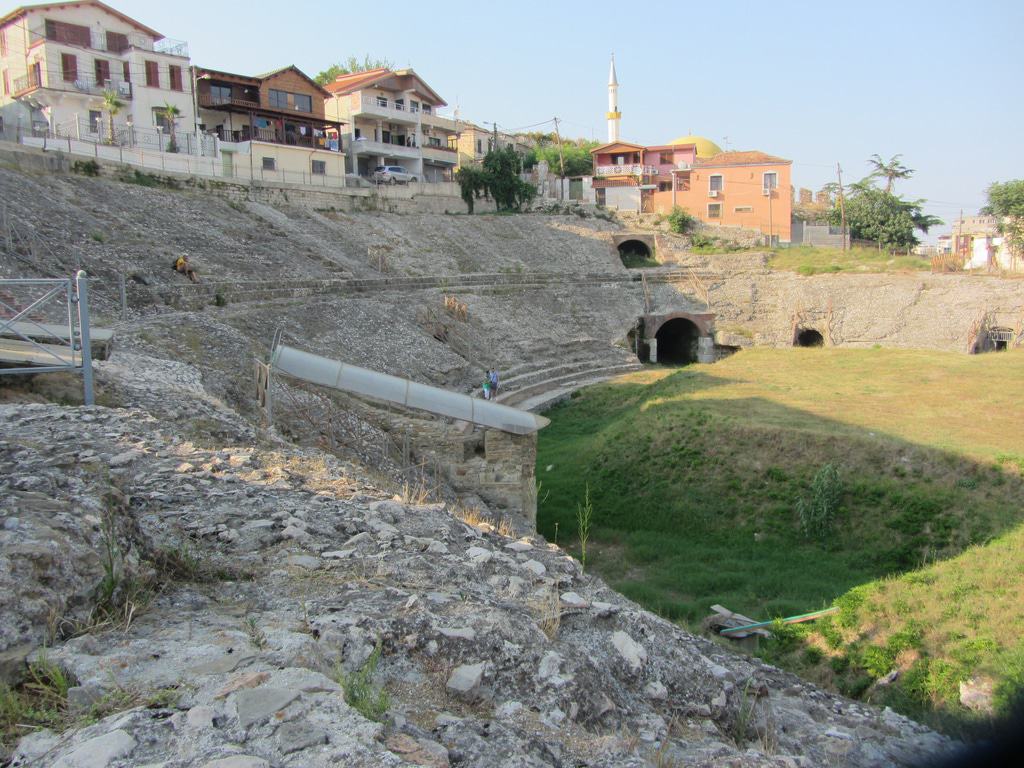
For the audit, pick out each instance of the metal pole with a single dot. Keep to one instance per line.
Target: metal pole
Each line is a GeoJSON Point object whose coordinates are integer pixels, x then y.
{"type": "Point", "coordinates": [82, 289]}
{"type": "Point", "coordinates": [270, 403]}
{"type": "Point", "coordinates": [124, 297]}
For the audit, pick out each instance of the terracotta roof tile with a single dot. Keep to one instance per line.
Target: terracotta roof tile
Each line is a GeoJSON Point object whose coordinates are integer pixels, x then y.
{"type": "Point", "coordinates": [356, 80]}
{"type": "Point", "coordinates": [753, 157]}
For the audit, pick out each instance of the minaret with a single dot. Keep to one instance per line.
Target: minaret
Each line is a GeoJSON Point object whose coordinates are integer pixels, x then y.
{"type": "Point", "coordinates": [613, 104]}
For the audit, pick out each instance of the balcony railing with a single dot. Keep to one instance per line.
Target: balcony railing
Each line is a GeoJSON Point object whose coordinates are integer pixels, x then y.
{"type": "Point", "coordinates": [81, 84]}
{"type": "Point", "coordinates": [360, 146]}
{"type": "Point", "coordinates": [626, 170]}
{"type": "Point", "coordinates": [213, 102]}
{"type": "Point", "coordinates": [385, 108]}
{"type": "Point", "coordinates": [26, 83]}
{"type": "Point", "coordinates": [273, 136]}
{"type": "Point", "coordinates": [99, 40]}
{"type": "Point", "coordinates": [443, 154]}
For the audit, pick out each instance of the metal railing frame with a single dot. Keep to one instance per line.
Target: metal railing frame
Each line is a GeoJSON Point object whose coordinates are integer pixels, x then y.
{"type": "Point", "coordinates": [76, 296]}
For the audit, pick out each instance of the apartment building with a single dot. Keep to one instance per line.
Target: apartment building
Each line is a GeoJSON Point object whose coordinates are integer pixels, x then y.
{"type": "Point", "coordinates": [391, 119]}
{"type": "Point", "coordinates": [752, 190]}
{"type": "Point", "coordinates": [474, 142]}
{"type": "Point", "coordinates": [275, 122]}
{"type": "Point", "coordinates": [58, 60]}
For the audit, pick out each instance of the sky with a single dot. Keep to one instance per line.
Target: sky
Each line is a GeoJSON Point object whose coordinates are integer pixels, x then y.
{"type": "Point", "coordinates": [938, 82]}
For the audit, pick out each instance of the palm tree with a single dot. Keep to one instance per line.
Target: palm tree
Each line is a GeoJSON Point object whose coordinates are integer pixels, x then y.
{"type": "Point", "coordinates": [171, 114]}
{"type": "Point", "coordinates": [113, 105]}
{"type": "Point", "coordinates": [890, 171]}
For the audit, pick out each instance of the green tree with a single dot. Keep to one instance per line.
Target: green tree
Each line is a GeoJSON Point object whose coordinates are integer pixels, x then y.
{"type": "Point", "coordinates": [171, 113]}
{"type": "Point", "coordinates": [1006, 201]}
{"type": "Point", "coordinates": [350, 65]}
{"type": "Point", "coordinates": [113, 105]}
{"type": "Point", "coordinates": [502, 168]}
{"type": "Point", "coordinates": [498, 177]}
{"type": "Point", "coordinates": [884, 218]}
{"type": "Point", "coordinates": [472, 184]}
{"type": "Point", "coordinates": [890, 171]}
{"type": "Point", "coordinates": [576, 153]}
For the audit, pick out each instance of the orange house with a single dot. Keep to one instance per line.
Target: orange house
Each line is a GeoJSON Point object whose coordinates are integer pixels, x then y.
{"type": "Point", "coordinates": [753, 190]}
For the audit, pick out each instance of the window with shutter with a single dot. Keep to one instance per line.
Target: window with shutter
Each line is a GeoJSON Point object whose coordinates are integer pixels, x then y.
{"type": "Point", "coordinates": [152, 74]}
{"type": "Point", "coordinates": [62, 32]}
{"type": "Point", "coordinates": [117, 42]}
{"type": "Point", "coordinates": [69, 67]}
{"type": "Point", "coordinates": [175, 75]}
{"type": "Point", "coordinates": [102, 72]}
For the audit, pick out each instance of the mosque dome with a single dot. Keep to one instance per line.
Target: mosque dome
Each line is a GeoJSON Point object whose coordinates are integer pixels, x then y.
{"type": "Point", "coordinates": [705, 147]}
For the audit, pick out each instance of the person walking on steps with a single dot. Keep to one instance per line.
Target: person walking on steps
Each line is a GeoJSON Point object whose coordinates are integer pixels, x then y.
{"type": "Point", "coordinates": [487, 386]}
{"type": "Point", "coordinates": [493, 377]}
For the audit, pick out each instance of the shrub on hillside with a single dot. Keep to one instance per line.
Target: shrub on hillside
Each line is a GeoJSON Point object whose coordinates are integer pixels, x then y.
{"type": "Point", "coordinates": [817, 514]}
{"type": "Point", "coordinates": [680, 221]}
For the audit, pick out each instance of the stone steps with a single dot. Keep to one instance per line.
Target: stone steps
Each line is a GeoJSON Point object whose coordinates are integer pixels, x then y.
{"type": "Point", "coordinates": [533, 396]}
{"type": "Point", "coordinates": [262, 290]}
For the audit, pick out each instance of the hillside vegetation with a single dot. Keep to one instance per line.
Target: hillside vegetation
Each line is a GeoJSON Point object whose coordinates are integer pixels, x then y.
{"type": "Point", "coordinates": [696, 476]}
{"type": "Point", "coordinates": [813, 260]}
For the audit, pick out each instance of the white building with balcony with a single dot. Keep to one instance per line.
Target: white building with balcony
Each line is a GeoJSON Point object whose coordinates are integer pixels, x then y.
{"type": "Point", "coordinates": [57, 60]}
{"type": "Point", "coordinates": [392, 119]}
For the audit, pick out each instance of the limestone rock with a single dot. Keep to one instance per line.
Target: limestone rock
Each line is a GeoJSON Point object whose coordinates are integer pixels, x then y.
{"type": "Point", "coordinates": [258, 704]}
{"type": "Point", "coordinates": [299, 735]}
{"type": "Point", "coordinates": [631, 651]}
{"type": "Point", "coordinates": [465, 680]}
{"type": "Point", "coordinates": [99, 752]}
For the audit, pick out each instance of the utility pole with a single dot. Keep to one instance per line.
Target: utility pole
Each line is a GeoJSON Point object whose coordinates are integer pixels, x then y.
{"type": "Point", "coordinates": [960, 233]}
{"type": "Point", "coordinates": [495, 147]}
{"type": "Point", "coordinates": [561, 158]}
{"type": "Point", "coordinates": [842, 202]}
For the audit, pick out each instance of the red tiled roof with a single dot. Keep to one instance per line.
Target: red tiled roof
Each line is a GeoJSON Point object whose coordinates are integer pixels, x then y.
{"type": "Point", "coordinates": [670, 147]}
{"type": "Point", "coordinates": [103, 6]}
{"type": "Point", "coordinates": [753, 157]}
{"type": "Point", "coordinates": [356, 80]}
{"type": "Point", "coordinates": [607, 147]}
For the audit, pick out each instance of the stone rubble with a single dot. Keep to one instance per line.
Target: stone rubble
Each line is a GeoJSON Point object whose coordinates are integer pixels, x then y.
{"type": "Point", "coordinates": [494, 650]}
{"type": "Point", "coordinates": [319, 568]}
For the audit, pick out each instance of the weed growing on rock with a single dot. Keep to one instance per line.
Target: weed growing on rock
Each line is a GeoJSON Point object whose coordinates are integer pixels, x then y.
{"type": "Point", "coordinates": [361, 694]}
{"type": "Point", "coordinates": [41, 701]}
{"type": "Point", "coordinates": [255, 633]}
{"type": "Point", "coordinates": [584, 515]}
{"type": "Point", "coordinates": [549, 613]}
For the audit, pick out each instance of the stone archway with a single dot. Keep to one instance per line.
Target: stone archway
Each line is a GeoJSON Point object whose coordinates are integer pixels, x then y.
{"type": "Point", "coordinates": [677, 341]}
{"type": "Point", "coordinates": [688, 337]}
{"type": "Point", "coordinates": [633, 252]}
{"type": "Point", "coordinates": [634, 245]}
{"type": "Point", "coordinates": [808, 337]}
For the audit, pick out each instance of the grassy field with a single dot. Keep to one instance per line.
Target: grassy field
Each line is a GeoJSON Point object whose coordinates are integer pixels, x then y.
{"type": "Point", "coordinates": [696, 475]}
{"type": "Point", "coordinates": [809, 260]}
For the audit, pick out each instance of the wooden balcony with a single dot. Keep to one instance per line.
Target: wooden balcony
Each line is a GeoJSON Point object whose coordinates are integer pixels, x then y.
{"type": "Point", "coordinates": [207, 101]}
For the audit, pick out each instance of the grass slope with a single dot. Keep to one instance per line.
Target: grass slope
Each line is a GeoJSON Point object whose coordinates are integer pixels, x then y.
{"type": "Point", "coordinates": [811, 260]}
{"type": "Point", "coordinates": [695, 475]}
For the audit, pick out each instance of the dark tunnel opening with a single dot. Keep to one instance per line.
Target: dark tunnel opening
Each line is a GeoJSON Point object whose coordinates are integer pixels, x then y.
{"type": "Point", "coordinates": [677, 342]}
{"type": "Point", "coordinates": [808, 337]}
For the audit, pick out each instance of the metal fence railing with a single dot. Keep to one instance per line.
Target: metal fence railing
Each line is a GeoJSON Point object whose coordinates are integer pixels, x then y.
{"type": "Point", "coordinates": [44, 328]}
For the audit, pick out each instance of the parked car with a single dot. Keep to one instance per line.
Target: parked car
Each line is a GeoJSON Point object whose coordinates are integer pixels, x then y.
{"type": "Point", "coordinates": [392, 174]}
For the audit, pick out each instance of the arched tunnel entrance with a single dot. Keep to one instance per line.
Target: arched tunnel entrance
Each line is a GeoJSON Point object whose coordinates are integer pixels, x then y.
{"type": "Point", "coordinates": [677, 341]}
{"type": "Point", "coordinates": [634, 253]}
{"type": "Point", "coordinates": [808, 337]}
